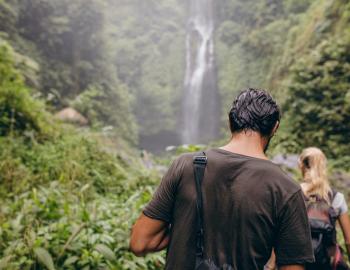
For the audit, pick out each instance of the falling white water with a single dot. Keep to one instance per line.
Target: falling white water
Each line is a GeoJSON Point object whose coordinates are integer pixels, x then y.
{"type": "Point", "coordinates": [199, 65]}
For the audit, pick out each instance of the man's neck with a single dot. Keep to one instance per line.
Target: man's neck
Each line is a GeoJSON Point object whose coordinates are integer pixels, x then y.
{"type": "Point", "coordinates": [248, 143]}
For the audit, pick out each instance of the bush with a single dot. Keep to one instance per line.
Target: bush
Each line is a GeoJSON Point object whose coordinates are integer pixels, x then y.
{"type": "Point", "coordinates": [67, 203]}
{"type": "Point", "coordinates": [20, 113]}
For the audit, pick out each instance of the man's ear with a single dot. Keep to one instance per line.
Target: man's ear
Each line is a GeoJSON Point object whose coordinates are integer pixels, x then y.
{"type": "Point", "coordinates": [277, 125]}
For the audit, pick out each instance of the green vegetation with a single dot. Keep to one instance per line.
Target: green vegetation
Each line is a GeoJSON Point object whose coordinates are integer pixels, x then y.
{"type": "Point", "coordinates": [69, 41]}
{"type": "Point", "coordinates": [68, 195]}
{"type": "Point", "coordinates": [300, 51]}
{"type": "Point", "coordinates": [72, 201]}
{"type": "Point", "coordinates": [320, 97]}
{"type": "Point", "coordinates": [117, 62]}
{"type": "Point", "coordinates": [65, 202]}
{"type": "Point", "coordinates": [122, 64]}
{"type": "Point", "coordinates": [19, 113]}
{"type": "Point", "coordinates": [149, 54]}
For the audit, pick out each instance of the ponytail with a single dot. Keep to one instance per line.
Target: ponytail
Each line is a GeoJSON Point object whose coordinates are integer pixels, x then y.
{"type": "Point", "coordinates": [313, 165]}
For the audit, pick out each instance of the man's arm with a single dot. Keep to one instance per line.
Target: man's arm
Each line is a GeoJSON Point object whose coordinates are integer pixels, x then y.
{"type": "Point", "coordinates": [271, 265]}
{"type": "Point", "coordinates": [148, 235]}
{"type": "Point", "coordinates": [293, 246]}
{"type": "Point", "coordinates": [292, 267]}
{"type": "Point", "coordinates": [151, 231]}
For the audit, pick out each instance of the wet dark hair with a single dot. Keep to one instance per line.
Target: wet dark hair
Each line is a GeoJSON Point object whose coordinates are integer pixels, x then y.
{"type": "Point", "coordinates": [256, 110]}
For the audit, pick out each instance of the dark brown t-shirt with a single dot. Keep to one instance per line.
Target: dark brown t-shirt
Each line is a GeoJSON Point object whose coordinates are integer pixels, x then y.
{"type": "Point", "coordinates": [250, 207]}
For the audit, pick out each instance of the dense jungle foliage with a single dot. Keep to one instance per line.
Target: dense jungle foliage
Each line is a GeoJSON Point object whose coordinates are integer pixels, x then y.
{"type": "Point", "coordinates": [69, 194]}
{"type": "Point", "coordinates": [121, 63]}
{"type": "Point", "coordinates": [300, 51]}
{"type": "Point", "coordinates": [66, 202]}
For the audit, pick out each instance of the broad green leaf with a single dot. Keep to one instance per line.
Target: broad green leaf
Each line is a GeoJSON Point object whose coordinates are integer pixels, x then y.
{"type": "Point", "coordinates": [70, 260]}
{"type": "Point", "coordinates": [44, 257]}
{"type": "Point", "coordinates": [106, 252]}
{"type": "Point", "coordinates": [4, 262]}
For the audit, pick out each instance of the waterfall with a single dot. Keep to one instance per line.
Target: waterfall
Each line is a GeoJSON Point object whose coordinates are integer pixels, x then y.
{"type": "Point", "coordinates": [200, 97]}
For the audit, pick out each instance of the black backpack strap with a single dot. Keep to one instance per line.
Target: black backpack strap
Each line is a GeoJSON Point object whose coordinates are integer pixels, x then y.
{"type": "Point", "coordinates": [332, 212]}
{"type": "Point", "coordinates": [199, 164]}
{"type": "Point", "coordinates": [334, 193]}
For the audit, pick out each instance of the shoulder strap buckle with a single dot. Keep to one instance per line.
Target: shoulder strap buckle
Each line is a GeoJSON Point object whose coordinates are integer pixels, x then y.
{"type": "Point", "coordinates": [200, 160]}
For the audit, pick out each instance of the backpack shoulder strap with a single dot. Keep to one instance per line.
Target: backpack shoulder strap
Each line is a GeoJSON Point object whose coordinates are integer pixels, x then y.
{"type": "Point", "coordinates": [334, 193]}
{"type": "Point", "coordinates": [199, 164]}
{"type": "Point", "coordinates": [332, 212]}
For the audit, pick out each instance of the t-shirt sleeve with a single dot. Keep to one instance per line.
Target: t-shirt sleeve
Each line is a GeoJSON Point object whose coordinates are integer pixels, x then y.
{"type": "Point", "coordinates": [162, 204]}
{"type": "Point", "coordinates": [339, 204]}
{"type": "Point", "coordinates": [293, 241]}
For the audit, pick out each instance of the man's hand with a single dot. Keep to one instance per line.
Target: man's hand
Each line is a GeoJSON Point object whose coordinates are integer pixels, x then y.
{"type": "Point", "coordinates": [148, 235]}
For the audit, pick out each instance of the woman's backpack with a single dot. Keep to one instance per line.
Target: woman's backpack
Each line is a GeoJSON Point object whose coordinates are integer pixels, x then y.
{"type": "Point", "coordinates": [322, 219]}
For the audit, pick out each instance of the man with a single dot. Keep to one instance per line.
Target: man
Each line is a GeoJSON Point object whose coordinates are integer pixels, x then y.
{"type": "Point", "coordinates": [250, 206]}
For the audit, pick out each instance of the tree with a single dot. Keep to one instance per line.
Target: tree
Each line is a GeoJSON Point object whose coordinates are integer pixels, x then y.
{"type": "Point", "coordinates": [148, 39]}
{"type": "Point", "coordinates": [75, 56]}
{"type": "Point", "coordinates": [318, 107]}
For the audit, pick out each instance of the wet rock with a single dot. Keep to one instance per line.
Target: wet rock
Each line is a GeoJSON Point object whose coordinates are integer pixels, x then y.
{"type": "Point", "coordinates": [72, 116]}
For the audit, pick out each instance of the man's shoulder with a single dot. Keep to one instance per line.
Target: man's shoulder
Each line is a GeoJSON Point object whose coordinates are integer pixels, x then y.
{"type": "Point", "coordinates": [280, 178]}
{"type": "Point", "coordinates": [186, 158]}
{"type": "Point", "coordinates": [264, 169]}
{"type": "Point", "coordinates": [283, 185]}
{"type": "Point", "coordinates": [267, 167]}
{"type": "Point", "coordinates": [274, 178]}
{"type": "Point", "coordinates": [183, 161]}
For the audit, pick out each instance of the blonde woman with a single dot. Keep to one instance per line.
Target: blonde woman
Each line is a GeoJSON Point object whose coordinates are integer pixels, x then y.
{"type": "Point", "coordinates": [313, 166]}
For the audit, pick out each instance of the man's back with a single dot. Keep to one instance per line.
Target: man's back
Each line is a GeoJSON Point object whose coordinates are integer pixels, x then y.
{"type": "Point", "coordinates": [250, 206]}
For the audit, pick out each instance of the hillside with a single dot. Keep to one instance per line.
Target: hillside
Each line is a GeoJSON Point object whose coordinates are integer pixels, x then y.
{"type": "Point", "coordinates": [65, 201]}
{"type": "Point", "coordinates": [299, 50]}
{"type": "Point", "coordinates": [125, 67]}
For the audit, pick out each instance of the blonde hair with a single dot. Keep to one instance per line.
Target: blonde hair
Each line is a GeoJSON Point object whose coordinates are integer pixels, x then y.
{"type": "Point", "coordinates": [313, 165]}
